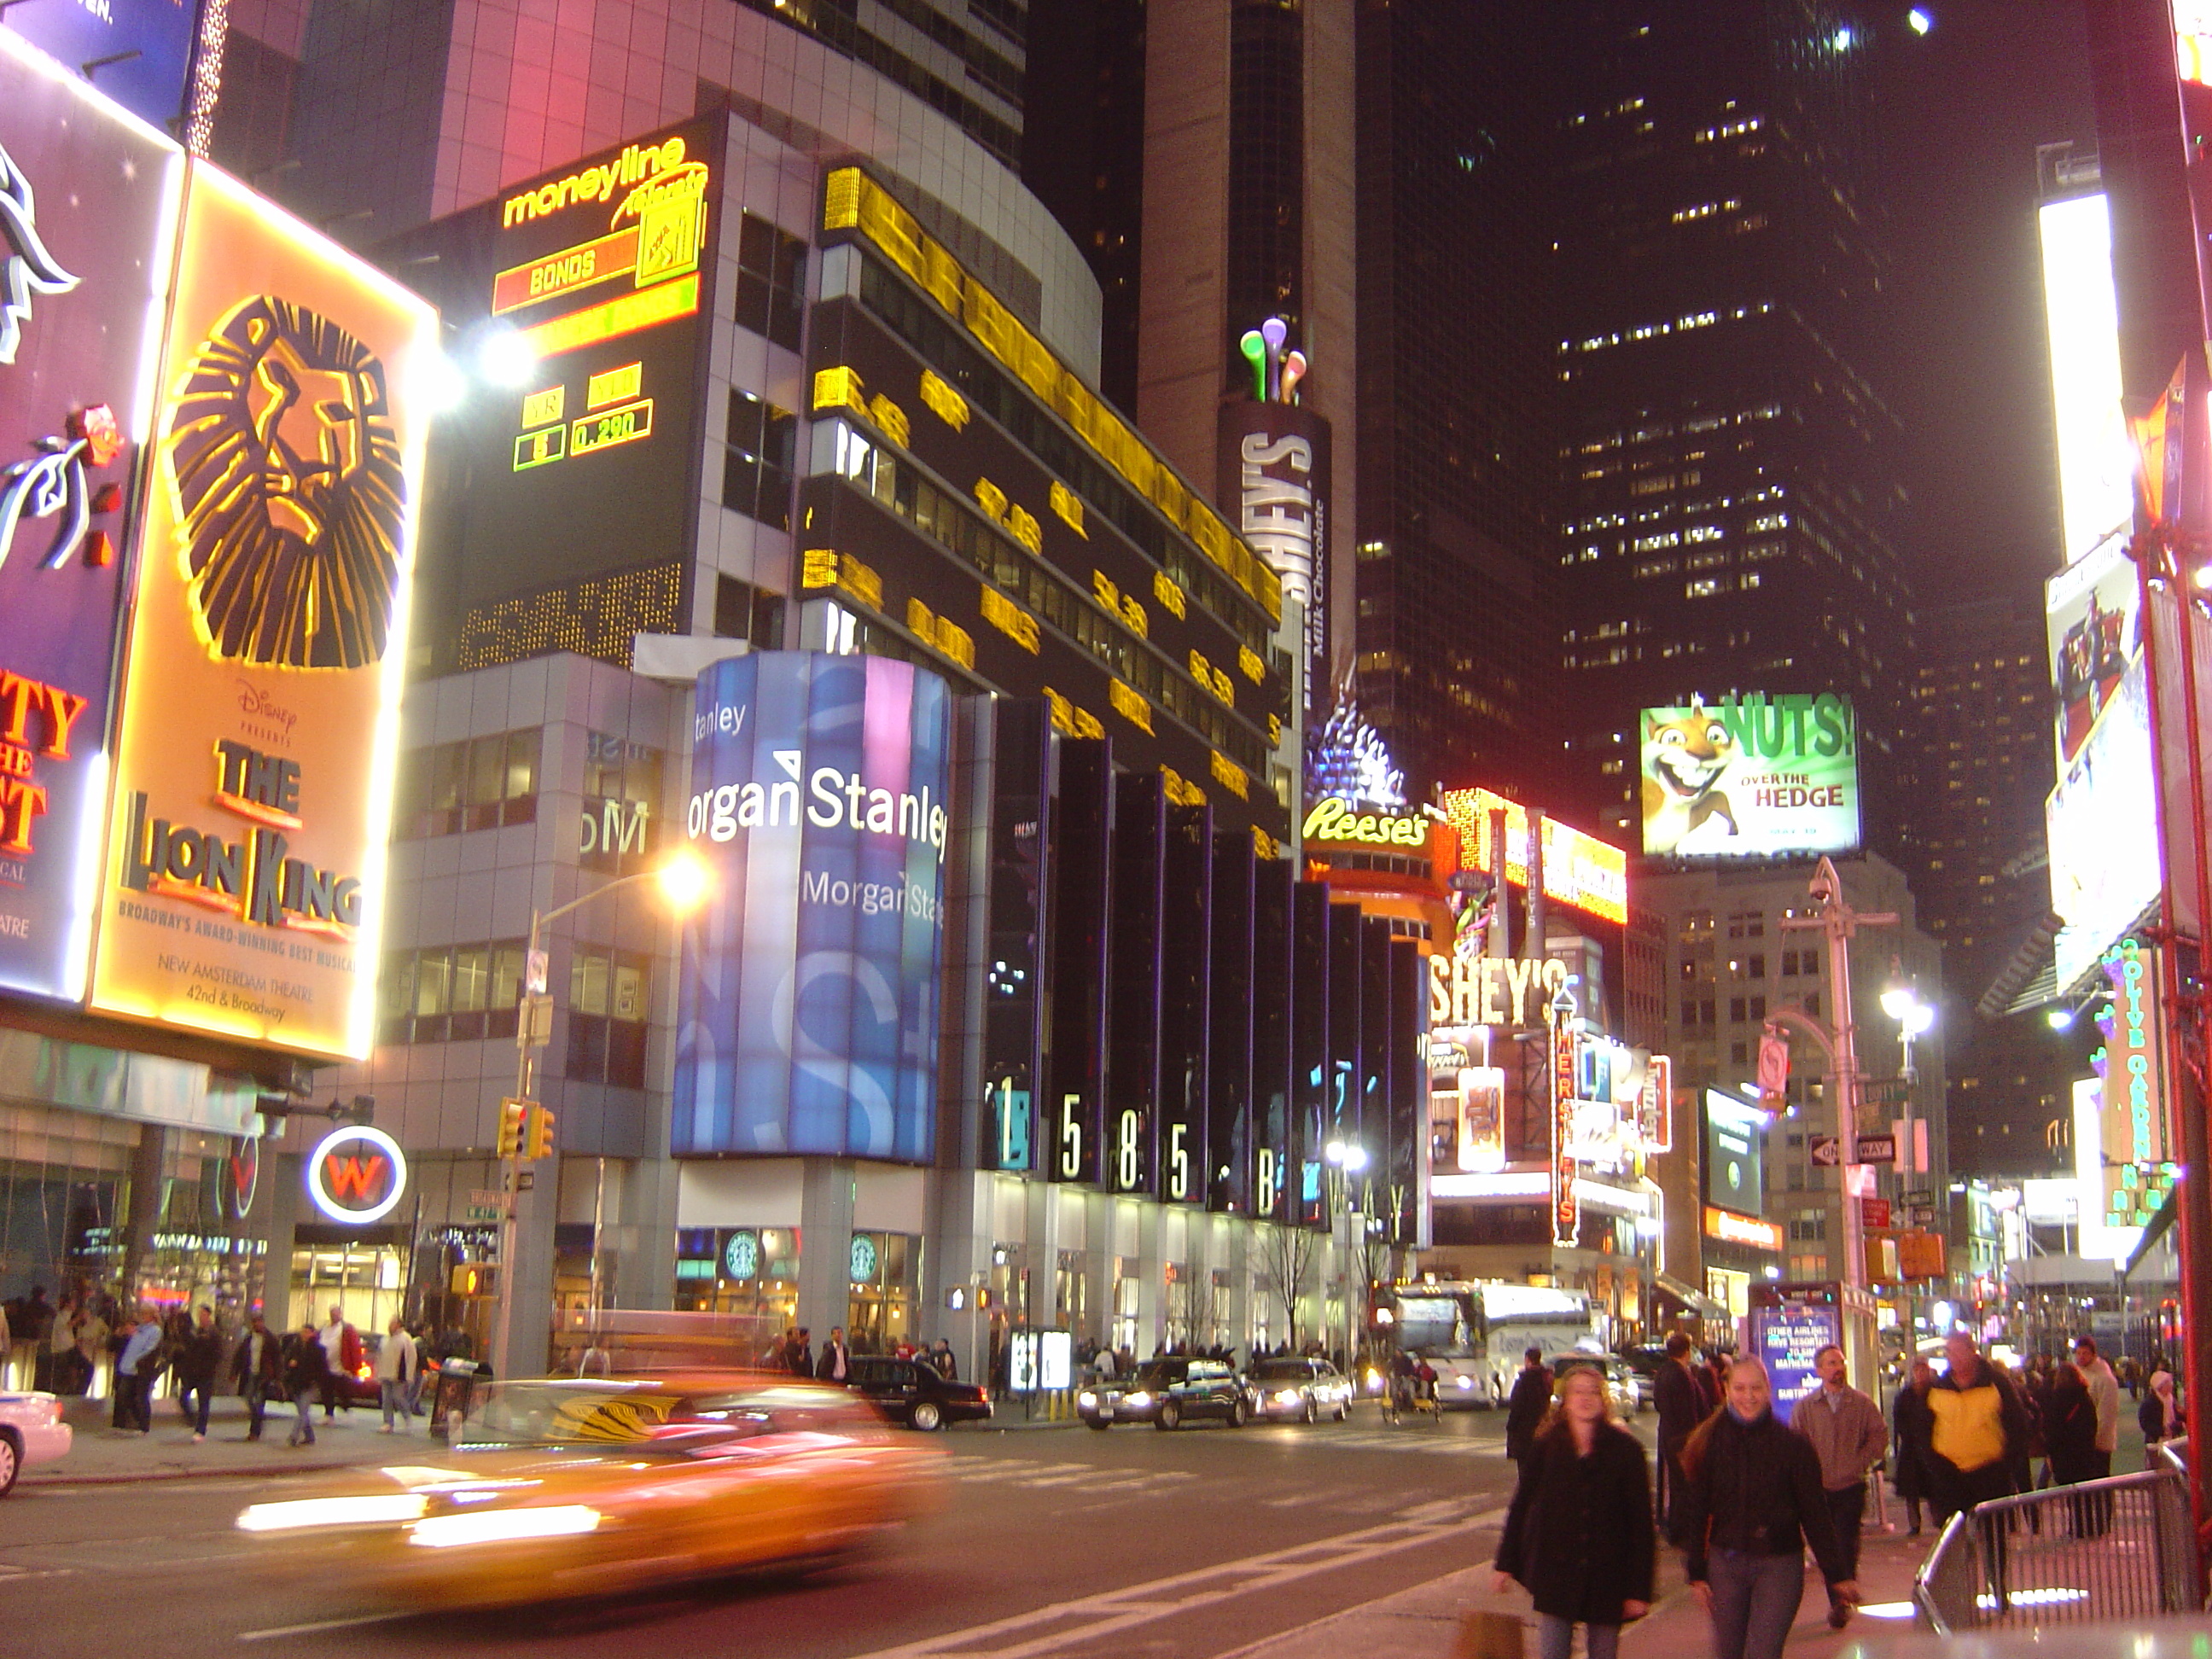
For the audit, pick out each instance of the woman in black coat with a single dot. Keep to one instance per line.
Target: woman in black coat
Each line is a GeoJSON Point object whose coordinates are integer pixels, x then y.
{"type": "Point", "coordinates": [1579, 1535]}
{"type": "Point", "coordinates": [1909, 1427]}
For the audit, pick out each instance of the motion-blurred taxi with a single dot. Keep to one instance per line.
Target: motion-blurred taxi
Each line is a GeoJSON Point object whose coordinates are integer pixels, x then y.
{"type": "Point", "coordinates": [566, 1487]}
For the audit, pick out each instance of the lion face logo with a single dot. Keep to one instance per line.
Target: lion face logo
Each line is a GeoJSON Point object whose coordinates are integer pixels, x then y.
{"type": "Point", "coordinates": [289, 489]}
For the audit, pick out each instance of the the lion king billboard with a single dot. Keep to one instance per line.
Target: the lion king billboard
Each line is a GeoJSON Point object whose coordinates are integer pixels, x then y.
{"type": "Point", "coordinates": [1750, 776]}
{"type": "Point", "coordinates": [255, 745]}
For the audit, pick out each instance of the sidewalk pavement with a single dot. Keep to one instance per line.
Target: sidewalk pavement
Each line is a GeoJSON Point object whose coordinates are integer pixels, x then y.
{"type": "Point", "coordinates": [1422, 1622]}
{"type": "Point", "coordinates": [100, 1456]}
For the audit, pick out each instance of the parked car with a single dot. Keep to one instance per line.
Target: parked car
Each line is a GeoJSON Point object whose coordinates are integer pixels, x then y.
{"type": "Point", "coordinates": [1168, 1392]}
{"type": "Point", "coordinates": [1305, 1390]}
{"type": "Point", "coordinates": [914, 1395]}
{"type": "Point", "coordinates": [31, 1431]}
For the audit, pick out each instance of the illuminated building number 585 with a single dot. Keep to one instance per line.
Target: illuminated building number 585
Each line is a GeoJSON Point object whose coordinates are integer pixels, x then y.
{"type": "Point", "coordinates": [1071, 1137]}
{"type": "Point", "coordinates": [1270, 1183]}
{"type": "Point", "coordinates": [1125, 1151]}
{"type": "Point", "coordinates": [1178, 1162]}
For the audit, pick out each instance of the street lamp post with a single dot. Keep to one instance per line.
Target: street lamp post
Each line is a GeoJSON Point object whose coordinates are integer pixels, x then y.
{"type": "Point", "coordinates": [1840, 921]}
{"type": "Point", "coordinates": [1914, 1018]}
{"type": "Point", "coordinates": [683, 880]}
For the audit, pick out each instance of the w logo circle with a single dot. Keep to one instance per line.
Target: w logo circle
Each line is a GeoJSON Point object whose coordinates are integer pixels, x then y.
{"type": "Point", "coordinates": [357, 1174]}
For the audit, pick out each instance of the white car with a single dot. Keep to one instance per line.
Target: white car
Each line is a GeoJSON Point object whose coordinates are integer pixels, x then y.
{"type": "Point", "coordinates": [31, 1431]}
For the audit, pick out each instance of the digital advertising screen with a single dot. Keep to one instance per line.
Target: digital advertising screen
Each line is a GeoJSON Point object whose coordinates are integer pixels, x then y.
{"type": "Point", "coordinates": [2081, 317]}
{"type": "Point", "coordinates": [1787, 1340]}
{"type": "Point", "coordinates": [1735, 1143]}
{"type": "Point", "coordinates": [808, 1002]}
{"type": "Point", "coordinates": [138, 52]}
{"type": "Point", "coordinates": [1751, 776]}
{"type": "Point", "coordinates": [2102, 820]}
{"type": "Point", "coordinates": [256, 739]}
{"type": "Point", "coordinates": [88, 201]}
{"type": "Point", "coordinates": [600, 275]}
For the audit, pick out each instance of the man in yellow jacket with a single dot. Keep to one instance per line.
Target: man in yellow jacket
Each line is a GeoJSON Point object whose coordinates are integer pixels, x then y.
{"type": "Point", "coordinates": [1976, 1423]}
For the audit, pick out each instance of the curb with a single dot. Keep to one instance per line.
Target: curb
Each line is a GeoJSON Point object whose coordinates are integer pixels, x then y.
{"type": "Point", "coordinates": [255, 1471]}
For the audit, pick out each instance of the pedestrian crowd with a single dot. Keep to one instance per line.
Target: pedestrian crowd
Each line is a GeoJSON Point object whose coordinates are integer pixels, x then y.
{"type": "Point", "coordinates": [793, 1351]}
{"type": "Point", "coordinates": [88, 1340]}
{"type": "Point", "coordinates": [1744, 1494]}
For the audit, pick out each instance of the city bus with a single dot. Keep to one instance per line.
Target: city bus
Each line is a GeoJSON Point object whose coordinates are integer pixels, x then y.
{"type": "Point", "coordinates": [1475, 1333]}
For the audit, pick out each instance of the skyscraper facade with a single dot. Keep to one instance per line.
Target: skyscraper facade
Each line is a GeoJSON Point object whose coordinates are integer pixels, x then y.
{"type": "Point", "coordinates": [1731, 482]}
{"type": "Point", "coordinates": [1980, 768]}
{"type": "Point", "coordinates": [1455, 593]}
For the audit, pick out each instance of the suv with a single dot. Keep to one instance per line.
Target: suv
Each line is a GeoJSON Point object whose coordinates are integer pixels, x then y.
{"type": "Point", "coordinates": [1168, 1392]}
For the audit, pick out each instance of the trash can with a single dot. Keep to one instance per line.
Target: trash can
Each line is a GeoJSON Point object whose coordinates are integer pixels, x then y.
{"type": "Point", "coordinates": [457, 1381]}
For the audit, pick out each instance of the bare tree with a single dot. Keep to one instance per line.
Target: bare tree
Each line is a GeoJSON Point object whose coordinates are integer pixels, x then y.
{"type": "Point", "coordinates": [1286, 1261]}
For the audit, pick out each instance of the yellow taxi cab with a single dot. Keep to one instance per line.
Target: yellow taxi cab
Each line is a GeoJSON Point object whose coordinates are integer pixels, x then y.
{"type": "Point", "coordinates": [561, 1487]}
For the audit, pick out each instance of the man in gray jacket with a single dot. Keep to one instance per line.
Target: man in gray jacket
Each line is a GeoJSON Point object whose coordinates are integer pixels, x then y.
{"type": "Point", "coordinates": [1846, 1429]}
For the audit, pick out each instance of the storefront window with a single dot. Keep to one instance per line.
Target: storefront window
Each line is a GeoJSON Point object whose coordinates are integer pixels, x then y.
{"type": "Point", "coordinates": [750, 1271]}
{"type": "Point", "coordinates": [880, 1310]}
{"type": "Point", "coordinates": [361, 1271]}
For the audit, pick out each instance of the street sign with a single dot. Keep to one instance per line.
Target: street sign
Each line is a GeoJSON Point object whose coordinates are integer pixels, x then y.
{"type": "Point", "coordinates": [1876, 1213]}
{"type": "Point", "coordinates": [485, 1212]}
{"type": "Point", "coordinates": [535, 965]}
{"type": "Point", "coordinates": [1919, 1200]}
{"type": "Point", "coordinates": [1887, 1091]}
{"type": "Point", "coordinates": [1923, 1215]}
{"type": "Point", "coordinates": [1877, 1149]}
{"type": "Point", "coordinates": [536, 1021]}
{"type": "Point", "coordinates": [1827, 1151]}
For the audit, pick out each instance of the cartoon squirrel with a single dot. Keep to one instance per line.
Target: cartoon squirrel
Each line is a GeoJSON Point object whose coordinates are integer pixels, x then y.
{"type": "Point", "coordinates": [1683, 760]}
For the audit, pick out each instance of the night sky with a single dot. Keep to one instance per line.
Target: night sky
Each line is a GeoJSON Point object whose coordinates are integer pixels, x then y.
{"type": "Point", "coordinates": [1965, 365]}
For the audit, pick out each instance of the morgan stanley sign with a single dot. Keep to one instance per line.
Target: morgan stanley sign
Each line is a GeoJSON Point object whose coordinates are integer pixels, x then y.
{"type": "Point", "coordinates": [808, 1008]}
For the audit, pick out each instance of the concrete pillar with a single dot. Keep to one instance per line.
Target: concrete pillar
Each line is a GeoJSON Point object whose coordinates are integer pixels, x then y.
{"type": "Point", "coordinates": [1042, 1253]}
{"type": "Point", "coordinates": [958, 1256]}
{"type": "Point", "coordinates": [1152, 1281]}
{"type": "Point", "coordinates": [279, 1199]}
{"type": "Point", "coordinates": [529, 1279]}
{"type": "Point", "coordinates": [1098, 1236]}
{"type": "Point", "coordinates": [825, 1222]}
{"type": "Point", "coordinates": [645, 1277]}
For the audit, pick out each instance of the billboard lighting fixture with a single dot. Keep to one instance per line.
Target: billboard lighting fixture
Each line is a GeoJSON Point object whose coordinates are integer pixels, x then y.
{"type": "Point", "coordinates": [1843, 39]}
{"type": "Point", "coordinates": [505, 358]}
{"type": "Point", "coordinates": [2059, 1019]}
{"type": "Point", "coordinates": [2202, 577]}
{"type": "Point", "coordinates": [1920, 21]}
{"type": "Point", "coordinates": [445, 382]}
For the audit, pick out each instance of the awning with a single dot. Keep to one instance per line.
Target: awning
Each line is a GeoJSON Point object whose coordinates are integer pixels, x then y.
{"type": "Point", "coordinates": [2029, 964]}
{"type": "Point", "coordinates": [2155, 1231]}
{"type": "Point", "coordinates": [1696, 1302]}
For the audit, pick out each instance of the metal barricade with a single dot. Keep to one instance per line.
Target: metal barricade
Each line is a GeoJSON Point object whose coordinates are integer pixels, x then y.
{"type": "Point", "coordinates": [2118, 1548]}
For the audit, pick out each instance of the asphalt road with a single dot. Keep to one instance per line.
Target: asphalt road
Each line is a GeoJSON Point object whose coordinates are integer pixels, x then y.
{"type": "Point", "coordinates": [1051, 1543]}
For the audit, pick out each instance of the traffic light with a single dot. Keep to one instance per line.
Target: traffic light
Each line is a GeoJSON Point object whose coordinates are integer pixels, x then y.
{"type": "Point", "coordinates": [538, 1137]}
{"type": "Point", "coordinates": [511, 1115]}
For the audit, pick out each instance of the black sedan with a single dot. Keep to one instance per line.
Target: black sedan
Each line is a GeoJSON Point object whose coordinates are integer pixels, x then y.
{"type": "Point", "coordinates": [913, 1393]}
{"type": "Point", "coordinates": [1168, 1393]}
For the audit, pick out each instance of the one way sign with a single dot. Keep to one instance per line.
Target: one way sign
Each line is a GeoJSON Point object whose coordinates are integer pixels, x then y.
{"type": "Point", "coordinates": [1827, 1151]}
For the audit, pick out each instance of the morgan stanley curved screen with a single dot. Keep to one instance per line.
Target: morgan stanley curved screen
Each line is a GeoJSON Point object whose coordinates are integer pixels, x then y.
{"type": "Point", "coordinates": [808, 1008]}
